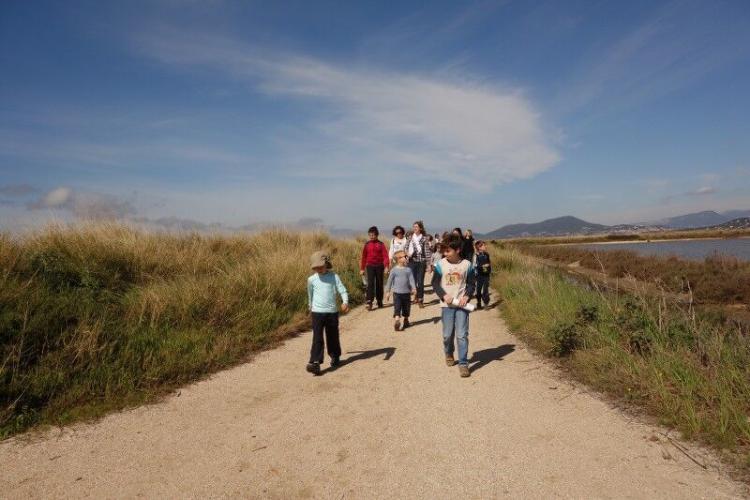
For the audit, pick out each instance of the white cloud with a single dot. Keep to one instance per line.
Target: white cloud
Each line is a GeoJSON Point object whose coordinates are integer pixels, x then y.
{"type": "Point", "coordinates": [57, 197]}
{"type": "Point", "coordinates": [85, 205]}
{"type": "Point", "coordinates": [369, 121]}
{"type": "Point", "coordinates": [703, 190]}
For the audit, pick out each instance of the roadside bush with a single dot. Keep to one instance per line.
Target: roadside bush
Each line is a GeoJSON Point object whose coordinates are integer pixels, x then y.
{"type": "Point", "coordinates": [565, 338]}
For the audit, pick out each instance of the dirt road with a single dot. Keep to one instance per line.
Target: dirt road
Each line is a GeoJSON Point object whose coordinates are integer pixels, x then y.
{"type": "Point", "coordinates": [393, 421]}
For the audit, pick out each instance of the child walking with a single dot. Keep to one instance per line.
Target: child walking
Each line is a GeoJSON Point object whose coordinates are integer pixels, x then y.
{"type": "Point", "coordinates": [401, 282]}
{"type": "Point", "coordinates": [374, 261]}
{"type": "Point", "coordinates": [453, 282]}
{"type": "Point", "coordinates": [484, 270]}
{"type": "Point", "coordinates": [322, 287]}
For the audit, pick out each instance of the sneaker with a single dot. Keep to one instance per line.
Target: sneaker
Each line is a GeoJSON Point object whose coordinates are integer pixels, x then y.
{"type": "Point", "coordinates": [449, 360]}
{"type": "Point", "coordinates": [335, 362]}
{"type": "Point", "coordinates": [397, 325]}
{"type": "Point", "coordinates": [463, 370]}
{"type": "Point", "coordinates": [406, 323]}
{"type": "Point", "coordinates": [313, 368]}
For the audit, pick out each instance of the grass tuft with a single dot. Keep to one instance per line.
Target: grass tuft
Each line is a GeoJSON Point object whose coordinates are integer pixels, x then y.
{"type": "Point", "coordinates": [97, 317]}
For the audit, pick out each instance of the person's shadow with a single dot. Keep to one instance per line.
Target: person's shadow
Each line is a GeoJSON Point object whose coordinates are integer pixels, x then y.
{"type": "Point", "coordinates": [435, 319]}
{"type": "Point", "coordinates": [486, 356]}
{"type": "Point", "coordinates": [360, 355]}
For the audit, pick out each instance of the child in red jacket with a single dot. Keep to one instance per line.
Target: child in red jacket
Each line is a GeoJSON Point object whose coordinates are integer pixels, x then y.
{"type": "Point", "coordinates": [375, 262]}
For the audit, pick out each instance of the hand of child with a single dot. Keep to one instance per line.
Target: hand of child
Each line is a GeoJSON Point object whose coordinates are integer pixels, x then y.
{"type": "Point", "coordinates": [463, 300]}
{"type": "Point", "coordinates": [344, 308]}
{"type": "Point", "coordinates": [448, 298]}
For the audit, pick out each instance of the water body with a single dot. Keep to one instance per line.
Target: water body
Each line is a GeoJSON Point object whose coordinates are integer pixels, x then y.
{"type": "Point", "coordinates": [686, 249]}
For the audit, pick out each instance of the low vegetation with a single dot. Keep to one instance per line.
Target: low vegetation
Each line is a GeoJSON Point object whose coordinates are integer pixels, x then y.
{"type": "Point", "coordinates": [100, 317]}
{"type": "Point", "coordinates": [642, 236]}
{"type": "Point", "coordinates": [687, 369]}
{"type": "Point", "coordinates": [715, 280]}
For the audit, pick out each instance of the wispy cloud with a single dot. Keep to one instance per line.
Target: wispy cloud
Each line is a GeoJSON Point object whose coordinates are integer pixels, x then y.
{"type": "Point", "coordinates": [17, 190]}
{"type": "Point", "coordinates": [368, 121]}
{"type": "Point", "coordinates": [677, 45]}
{"type": "Point", "coordinates": [702, 191]}
{"type": "Point", "coordinates": [85, 205]}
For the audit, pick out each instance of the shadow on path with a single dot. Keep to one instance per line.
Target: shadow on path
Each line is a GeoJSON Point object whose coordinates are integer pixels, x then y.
{"type": "Point", "coordinates": [435, 319]}
{"type": "Point", "coordinates": [486, 356]}
{"type": "Point", "coordinates": [360, 355]}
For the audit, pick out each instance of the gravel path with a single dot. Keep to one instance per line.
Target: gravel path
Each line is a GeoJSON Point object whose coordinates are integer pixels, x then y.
{"type": "Point", "coordinates": [393, 421]}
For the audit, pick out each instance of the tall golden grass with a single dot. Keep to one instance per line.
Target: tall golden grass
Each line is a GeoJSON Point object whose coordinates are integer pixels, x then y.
{"type": "Point", "coordinates": [94, 317]}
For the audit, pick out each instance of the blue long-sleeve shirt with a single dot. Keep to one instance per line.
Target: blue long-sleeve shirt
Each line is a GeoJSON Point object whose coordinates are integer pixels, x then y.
{"type": "Point", "coordinates": [401, 280]}
{"type": "Point", "coordinates": [321, 292]}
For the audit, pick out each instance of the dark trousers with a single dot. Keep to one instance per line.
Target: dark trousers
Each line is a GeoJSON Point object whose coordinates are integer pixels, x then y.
{"type": "Point", "coordinates": [375, 284]}
{"type": "Point", "coordinates": [328, 322]}
{"type": "Point", "coordinates": [401, 304]}
{"type": "Point", "coordinates": [418, 270]}
{"type": "Point", "coordinates": [483, 289]}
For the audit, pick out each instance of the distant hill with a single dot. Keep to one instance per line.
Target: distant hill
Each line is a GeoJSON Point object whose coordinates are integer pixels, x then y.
{"type": "Point", "coordinates": [706, 218]}
{"type": "Point", "coordinates": [559, 226]}
{"type": "Point", "coordinates": [738, 223]}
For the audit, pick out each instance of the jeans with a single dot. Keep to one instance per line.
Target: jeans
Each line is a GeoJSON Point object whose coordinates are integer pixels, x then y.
{"type": "Point", "coordinates": [328, 322]}
{"type": "Point", "coordinates": [456, 324]}
{"type": "Point", "coordinates": [375, 284]}
{"type": "Point", "coordinates": [401, 304]}
{"type": "Point", "coordinates": [483, 289]}
{"type": "Point", "coordinates": [418, 269]}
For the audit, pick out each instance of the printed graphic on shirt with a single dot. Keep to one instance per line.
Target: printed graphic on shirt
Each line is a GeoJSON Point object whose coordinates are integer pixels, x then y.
{"type": "Point", "coordinates": [453, 277]}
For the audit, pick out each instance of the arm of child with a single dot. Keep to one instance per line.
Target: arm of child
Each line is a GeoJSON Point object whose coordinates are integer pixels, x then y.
{"type": "Point", "coordinates": [470, 286]}
{"type": "Point", "coordinates": [436, 278]}
{"type": "Point", "coordinates": [344, 295]}
{"type": "Point", "coordinates": [309, 295]}
{"type": "Point", "coordinates": [363, 260]}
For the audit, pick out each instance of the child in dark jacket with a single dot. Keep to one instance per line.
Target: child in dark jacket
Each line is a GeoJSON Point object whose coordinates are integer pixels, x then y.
{"type": "Point", "coordinates": [374, 262]}
{"type": "Point", "coordinates": [483, 272]}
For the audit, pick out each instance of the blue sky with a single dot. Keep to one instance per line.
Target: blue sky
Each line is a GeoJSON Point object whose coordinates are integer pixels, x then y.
{"type": "Point", "coordinates": [353, 113]}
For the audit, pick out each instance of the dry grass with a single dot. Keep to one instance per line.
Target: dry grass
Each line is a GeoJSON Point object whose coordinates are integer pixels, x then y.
{"type": "Point", "coordinates": [716, 280]}
{"type": "Point", "coordinates": [622, 237]}
{"type": "Point", "coordinates": [96, 317]}
{"type": "Point", "coordinates": [687, 369]}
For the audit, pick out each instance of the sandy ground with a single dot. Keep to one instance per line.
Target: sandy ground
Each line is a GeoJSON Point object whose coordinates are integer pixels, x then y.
{"type": "Point", "coordinates": [393, 421]}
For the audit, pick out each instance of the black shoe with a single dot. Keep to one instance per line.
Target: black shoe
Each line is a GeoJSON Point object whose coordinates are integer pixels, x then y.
{"type": "Point", "coordinates": [313, 368]}
{"type": "Point", "coordinates": [369, 306]}
{"type": "Point", "coordinates": [380, 306]}
{"type": "Point", "coordinates": [335, 362]}
{"type": "Point", "coordinates": [406, 323]}
{"type": "Point", "coordinates": [479, 307]}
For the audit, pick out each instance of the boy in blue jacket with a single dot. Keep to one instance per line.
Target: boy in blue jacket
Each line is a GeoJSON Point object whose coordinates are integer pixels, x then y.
{"type": "Point", "coordinates": [322, 287]}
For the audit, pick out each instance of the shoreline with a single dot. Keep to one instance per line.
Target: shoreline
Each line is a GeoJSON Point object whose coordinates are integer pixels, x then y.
{"type": "Point", "coordinates": [621, 242]}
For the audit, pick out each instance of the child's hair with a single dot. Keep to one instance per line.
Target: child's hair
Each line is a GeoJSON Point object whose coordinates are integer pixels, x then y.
{"type": "Point", "coordinates": [469, 233]}
{"type": "Point", "coordinates": [398, 255]}
{"type": "Point", "coordinates": [458, 230]}
{"type": "Point", "coordinates": [373, 229]}
{"type": "Point", "coordinates": [479, 243]}
{"type": "Point", "coordinates": [397, 229]}
{"type": "Point", "coordinates": [454, 242]}
{"type": "Point", "coordinates": [429, 237]}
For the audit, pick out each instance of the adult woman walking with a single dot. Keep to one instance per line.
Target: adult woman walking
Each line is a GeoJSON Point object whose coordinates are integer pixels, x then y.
{"type": "Point", "coordinates": [467, 252]}
{"type": "Point", "coordinates": [420, 255]}
{"type": "Point", "coordinates": [398, 242]}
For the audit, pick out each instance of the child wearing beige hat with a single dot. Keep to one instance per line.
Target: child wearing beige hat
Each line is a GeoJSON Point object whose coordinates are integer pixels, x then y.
{"type": "Point", "coordinates": [322, 288]}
